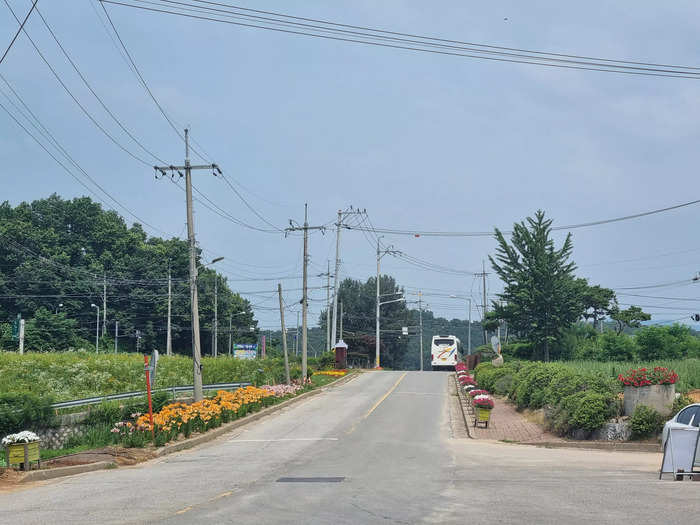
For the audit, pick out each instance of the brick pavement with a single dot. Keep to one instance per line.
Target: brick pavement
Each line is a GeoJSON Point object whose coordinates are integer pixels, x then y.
{"type": "Point", "coordinates": [506, 423]}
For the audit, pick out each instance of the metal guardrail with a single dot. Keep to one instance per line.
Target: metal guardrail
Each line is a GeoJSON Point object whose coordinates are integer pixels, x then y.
{"type": "Point", "coordinates": [129, 395]}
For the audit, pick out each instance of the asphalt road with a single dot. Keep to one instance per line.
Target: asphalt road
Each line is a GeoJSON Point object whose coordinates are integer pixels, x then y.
{"type": "Point", "coordinates": [385, 447]}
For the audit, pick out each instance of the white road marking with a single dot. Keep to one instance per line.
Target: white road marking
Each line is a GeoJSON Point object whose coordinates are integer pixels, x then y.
{"type": "Point", "coordinates": [281, 439]}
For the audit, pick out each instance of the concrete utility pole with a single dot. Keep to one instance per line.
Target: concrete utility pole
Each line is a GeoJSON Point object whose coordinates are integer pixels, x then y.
{"type": "Point", "coordinates": [336, 280]}
{"type": "Point", "coordinates": [483, 275]}
{"type": "Point", "coordinates": [97, 329]}
{"type": "Point", "coordinates": [215, 326]}
{"type": "Point", "coordinates": [420, 323]}
{"type": "Point", "coordinates": [104, 304]}
{"type": "Point", "coordinates": [116, 336]}
{"type": "Point", "coordinates": [341, 319]}
{"type": "Point", "coordinates": [194, 305]}
{"type": "Point", "coordinates": [328, 306]}
{"type": "Point", "coordinates": [304, 298]}
{"type": "Point", "coordinates": [469, 336]}
{"type": "Point", "coordinates": [169, 336]}
{"type": "Point", "coordinates": [381, 253]}
{"type": "Point", "coordinates": [284, 335]}
{"type": "Point", "coordinates": [230, 318]}
{"type": "Point", "coordinates": [21, 336]}
{"type": "Point", "coordinates": [296, 337]}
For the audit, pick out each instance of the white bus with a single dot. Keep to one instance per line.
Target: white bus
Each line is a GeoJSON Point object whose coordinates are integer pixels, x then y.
{"type": "Point", "coordinates": [445, 352]}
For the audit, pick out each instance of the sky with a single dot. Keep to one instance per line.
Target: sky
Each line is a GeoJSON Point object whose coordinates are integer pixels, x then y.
{"type": "Point", "coordinates": [421, 141]}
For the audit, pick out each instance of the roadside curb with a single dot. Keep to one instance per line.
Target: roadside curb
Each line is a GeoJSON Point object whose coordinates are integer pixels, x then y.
{"type": "Point", "coordinates": [462, 402]}
{"type": "Point", "coordinates": [42, 475]}
{"type": "Point", "coordinates": [227, 427]}
{"type": "Point", "coordinates": [610, 446]}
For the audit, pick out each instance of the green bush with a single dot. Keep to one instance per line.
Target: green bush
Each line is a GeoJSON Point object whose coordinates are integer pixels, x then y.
{"type": "Point", "coordinates": [24, 411]}
{"type": "Point", "coordinates": [584, 410]}
{"type": "Point", "coordinates": [681, 402]}
{"type": "Point", "coordinates": [531, 383]}
{"type": "Point", "coordinates": [645, 422]}
{"type": "Point", "coordinates": [564, 383]}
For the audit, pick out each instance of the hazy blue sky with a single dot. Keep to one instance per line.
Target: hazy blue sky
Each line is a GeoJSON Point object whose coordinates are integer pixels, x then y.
{"type": "Point", "coordinates": [421, 141]}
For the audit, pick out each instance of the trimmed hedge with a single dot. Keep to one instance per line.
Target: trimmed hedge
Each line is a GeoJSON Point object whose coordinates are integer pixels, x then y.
{"type": "Point", "coordinates": [575, 400]}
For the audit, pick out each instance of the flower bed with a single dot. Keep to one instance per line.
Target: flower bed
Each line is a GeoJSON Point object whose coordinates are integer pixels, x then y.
{"type": "Point", "coordinates": [334, 373]}
{"type": "Point", "coordinates": [478, 392]}
{"type": "Point", "coordinates": [482, 401]}
{"type": "Point", "coordinates": [21, 437]}
{"type": "Point", "coordinates": [643, 377]}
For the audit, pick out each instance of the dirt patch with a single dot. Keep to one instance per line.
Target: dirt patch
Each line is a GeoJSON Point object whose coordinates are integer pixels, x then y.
{"type": "Point", "coordinates": [9, 479]}
{"type": "Point", "coordinates": [694, 395]}
{"type": "Point", "coordinates": [119, 455]}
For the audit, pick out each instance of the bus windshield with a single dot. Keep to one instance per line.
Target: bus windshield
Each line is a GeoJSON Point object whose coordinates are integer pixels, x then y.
{"type": "Point", "coordinates": [439, 342]}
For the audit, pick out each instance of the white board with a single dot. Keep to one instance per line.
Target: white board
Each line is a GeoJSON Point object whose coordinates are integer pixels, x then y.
{"type": "Point", "coordinates": [680, 450]}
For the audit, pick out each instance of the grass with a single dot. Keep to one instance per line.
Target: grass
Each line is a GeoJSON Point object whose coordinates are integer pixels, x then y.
{"type": "Point", "coordinates": [74, 375]}
{"type": "Point", "coordinates": [688, 370]}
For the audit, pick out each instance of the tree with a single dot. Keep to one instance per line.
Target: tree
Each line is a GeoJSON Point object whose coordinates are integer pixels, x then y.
{"type": "Point", "coordinates": [598, 302]}
{"type": "Point", "coordinates": [632, 317]}
{"type": "Point", "coordinates": [540, 293]}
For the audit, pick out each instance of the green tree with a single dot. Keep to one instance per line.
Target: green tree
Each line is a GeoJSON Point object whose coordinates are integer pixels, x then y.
{"type": "Point", "coordinates": [598, 302]}
{"type": "Point", "coordinates": [632, 317]}
{"type": "Point", "coordinates": [540, 293]}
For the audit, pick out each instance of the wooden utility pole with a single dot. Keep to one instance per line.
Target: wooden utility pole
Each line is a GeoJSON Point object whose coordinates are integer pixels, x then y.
{"type": "Point", "coordinates": [194, 300]}
{"type": "Point", "coordinates": [284, 335]}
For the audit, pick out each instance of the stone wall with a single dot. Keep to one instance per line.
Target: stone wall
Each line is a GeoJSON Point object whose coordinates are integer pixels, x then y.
{"type": "Point", "coordinates": [68, 425]}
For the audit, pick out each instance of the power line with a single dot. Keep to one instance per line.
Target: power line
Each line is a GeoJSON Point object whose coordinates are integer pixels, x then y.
{"type": "Point", "coordinates": [419, 233]}
{"type": "Point", "coordinates": [145, 84]}
{"type": "Point", "coordinates": [424, 45]}
{"type": "Point", "coordinates": [90, 88]}
{"type": "Point", "coordinates": [72, 96]}
{"type": "Point", "coordinates": [21, 27]}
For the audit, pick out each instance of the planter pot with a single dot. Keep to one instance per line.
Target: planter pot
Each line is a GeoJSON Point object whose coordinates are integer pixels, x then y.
{"type": "Point", "coordinates": [482, 415]}
{"type": "Point", "coordinates": [22, 454]}
{"type": "Point", "coordinates": [658, 397]}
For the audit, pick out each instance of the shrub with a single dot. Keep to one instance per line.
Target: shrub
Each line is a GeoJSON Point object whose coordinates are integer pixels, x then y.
{"type": "Point", "coordinates": [680, 402]}
{"type": "Point", "coordinates": [531, 384]}
{"type": "Point", "coordinates": [645, 422]}
{"type": "Point", "coordinates": [584, 410]}
{"type": "Point", "coordinates": [564, 383]}
{"type": "Point", "coordinates": [23, 411]}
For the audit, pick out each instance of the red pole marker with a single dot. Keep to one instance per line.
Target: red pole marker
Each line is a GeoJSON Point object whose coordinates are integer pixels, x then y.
{"type": "Point", "coordinates": [148, 389]}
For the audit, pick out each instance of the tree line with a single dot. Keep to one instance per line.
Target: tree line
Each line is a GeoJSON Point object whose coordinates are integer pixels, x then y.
{"type": "Point", "coordinates": [57, 258]}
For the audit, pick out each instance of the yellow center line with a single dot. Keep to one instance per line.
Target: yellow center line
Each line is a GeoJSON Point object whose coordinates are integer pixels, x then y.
{"type": "Point", "coordinates": [384, 396]}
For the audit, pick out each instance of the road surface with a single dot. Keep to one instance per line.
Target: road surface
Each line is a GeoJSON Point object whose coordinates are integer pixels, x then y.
{"type": "Point", "coordinates": [385, 447]}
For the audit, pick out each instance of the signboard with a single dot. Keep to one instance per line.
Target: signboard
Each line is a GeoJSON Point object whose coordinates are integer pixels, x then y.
{"type": "Point", "coordinates": [245, 351]}
{"type": "Point", "coordinates": [404, 330]}
{"type": "Point", "coordinates": [680, 451]}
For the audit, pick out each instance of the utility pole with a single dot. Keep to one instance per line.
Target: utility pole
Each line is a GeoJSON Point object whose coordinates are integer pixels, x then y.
{"type": "Point", "coordinates": [420, 322]}
{"type": "Point", "coordinates": [215, 327]}
{"type": "Point", "coordinates": [469, 336]}
{"type": "Point", "coordinates": [169, 337]}
{"type": "Point", "coordinates": [21, 336]}
{"type": "Point", "coordinates": [341, 319]}
{"type": "Point", "coordinates": [104, 304]}
{"type": "Point", "coordinates": [304, 297]}
{"type": "Point", "coordinates": [296, 337]}
{"type": "Point", "coordinates": [284, 335]}
{"type": "Point", "coordinates": [336, 279]}
{"type": "Point", "coordinates": [230, 318]}
{"type": "Point", "coordinates": [116, 336]}
{"type": "Point", "coordinates": [328, 306]}
{"type": "Point", "coordinates": [483, 275]}
{"type": "Point", "coordinates": [194, 306]}
{"type": "Point", "coordinates": [380, 253]}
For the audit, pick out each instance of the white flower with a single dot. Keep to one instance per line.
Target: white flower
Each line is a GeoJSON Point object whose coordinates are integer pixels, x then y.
{"type": "Point", "coordinates": [482, 396]}
{"type": "Point", "coordinates": [22, 437]}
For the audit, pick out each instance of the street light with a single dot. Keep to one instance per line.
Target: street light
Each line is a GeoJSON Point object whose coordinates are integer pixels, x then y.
{"type": "Point", "coordinates": [97, 329]}
{"type": "Point", "coordinates": [469, 337]}
{"type": "Point", "coordinates": [60, 305]}
{"type": "Point", "coordinates": [382, 303]}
